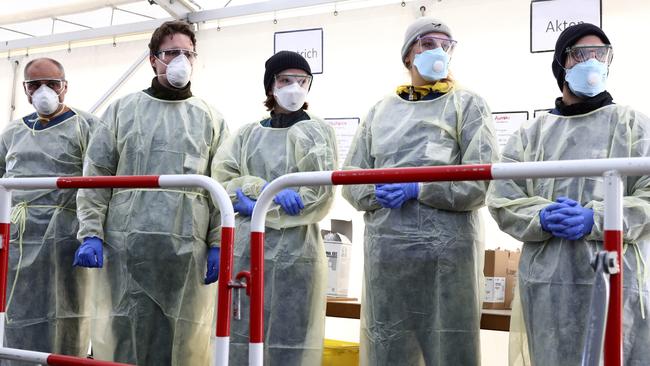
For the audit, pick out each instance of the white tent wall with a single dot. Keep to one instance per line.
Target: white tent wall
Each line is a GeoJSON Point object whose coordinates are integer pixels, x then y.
{"type": "Point", "coordinates": [362, 64]}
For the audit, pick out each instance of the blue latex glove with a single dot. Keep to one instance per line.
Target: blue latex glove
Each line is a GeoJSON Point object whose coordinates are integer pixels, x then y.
{"type": "Point", "coordinates": [545, 213]}
{"type": "Point", "coordinates": [290, 201]}
{"type": "Point", "coordinates": [244, 205]}
{"type": "Point", "coordinates": [394, 195]}
{"type": "Point", "coordinates": [90, 253]}
{"type": "Point", "coordinates": [212, 274]}
{"type": "Point", "coordinates": [571, 222]}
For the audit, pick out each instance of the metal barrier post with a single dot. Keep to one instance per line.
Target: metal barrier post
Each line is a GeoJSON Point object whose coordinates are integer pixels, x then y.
{"type": "Point", "coordinates": [5, 233]}
{"type": "Point", "coordinates": [543, 169]}
{"type": "Point", "coordinates": [217, 193]}
{"type": "Point", "coordinates": [613, 229]}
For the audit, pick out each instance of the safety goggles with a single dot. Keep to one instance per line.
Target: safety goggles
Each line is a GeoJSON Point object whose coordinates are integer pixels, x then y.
{"type": "Point", "coordinates": [170, 54]}
{"type": "Point", "coordinates": [602, 53]}
{"type": "Point", "coordinates": [282, 80]}
{"type": "Point", "coordinates": [428, 43]}
{"type": "Point", "coordinates": [32, 85]}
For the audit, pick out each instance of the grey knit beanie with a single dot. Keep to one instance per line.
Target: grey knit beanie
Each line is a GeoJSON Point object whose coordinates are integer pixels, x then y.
{"type": "Point", "coordinates": [420, 27]}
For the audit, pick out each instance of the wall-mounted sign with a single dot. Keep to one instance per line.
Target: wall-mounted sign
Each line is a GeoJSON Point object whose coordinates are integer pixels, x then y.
{"type": "Point", "coordinates": [506, 123]}
{"type": "Point", "coordinates": [307, 42]}
{"type": "Point", "coordinates": [345, 129]}
{"type": "Point", "coordinates": [548, 18]}
{"type": "Point", "coordinates": [539, 112]}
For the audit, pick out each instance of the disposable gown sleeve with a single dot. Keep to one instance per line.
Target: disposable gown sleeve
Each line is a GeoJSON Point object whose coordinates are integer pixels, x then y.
{"type": "Point", "coordinates": [513, 203]}
{"type": "Point", "coordinates": [314, 145]}
{"type": "Point", "coordinates": [220, 135]}
{"type": "Point", "coordinates": [636, 202]}
{"type": "Point", "coordinates": [361, 196]}
{"type": "Point", "coordinates": [477, 143]}
{"type": "Point", "coordinates": [3, 153]}
{"type": "Point", "coordinates": [227, 168]}
{"type": "Point", "coordinates": [101, 159]}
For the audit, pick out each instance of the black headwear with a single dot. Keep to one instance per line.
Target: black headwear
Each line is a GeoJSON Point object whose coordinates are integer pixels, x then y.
{"type": "Point", "coordinates": [568, 38]}
{"type": "Point", "coordinates": [281, 61]}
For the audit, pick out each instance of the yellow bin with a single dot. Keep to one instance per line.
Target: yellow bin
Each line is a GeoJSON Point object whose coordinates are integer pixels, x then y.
{"type": "Point", "coordinates": [340, 353]}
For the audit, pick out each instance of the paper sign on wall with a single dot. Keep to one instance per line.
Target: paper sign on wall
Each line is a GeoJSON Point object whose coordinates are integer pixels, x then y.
{"type": "Point", "coordinates": [307, 42]}
{"type": "Point", "coordinates": [506, 123]}
{"type": "Point", "coordinates": [548, 18]}
{"type": "Point", "coordinates": [345, 128]}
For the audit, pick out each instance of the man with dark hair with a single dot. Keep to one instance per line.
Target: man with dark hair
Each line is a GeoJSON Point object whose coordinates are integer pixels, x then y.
{"type": "Point", "coordinates": [154, 307]}
{"type": "Point", "coordinates": [49, 142]}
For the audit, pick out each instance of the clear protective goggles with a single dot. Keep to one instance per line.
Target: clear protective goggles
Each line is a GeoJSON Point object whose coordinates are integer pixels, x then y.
{"type": "Point", "coordinates": [33, 85]}
{"type": "Point", "coordinates": [167, 55]}
{"type": "Point", "coordinates": [428, 43]}
{"type": "Point", "coordinates": [282, 80]}
{"type": "Point", "coordinates": [603, 53]}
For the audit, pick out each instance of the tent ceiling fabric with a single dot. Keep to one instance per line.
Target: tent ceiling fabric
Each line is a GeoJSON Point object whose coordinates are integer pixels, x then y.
{"type": "Point", "coordinates": [18, 11]}
{"type": "Point", "coordinates": [37, 23]}
{"type": "Point", "coordinates": [38, 18]}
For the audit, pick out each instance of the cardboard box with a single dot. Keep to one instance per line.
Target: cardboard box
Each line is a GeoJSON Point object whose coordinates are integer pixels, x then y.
{"type": "Point", "coordinates": [496, 263]}
{"type": "Point", "coordinates": [338, 249]}
{"type": "Point", "coordinates": [511, 277]}
{"type": "Point", "coordinates": [500, 278]}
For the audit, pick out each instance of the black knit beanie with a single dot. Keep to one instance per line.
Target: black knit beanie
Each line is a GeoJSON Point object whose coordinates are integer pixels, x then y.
{"type": "Point", "coordinates": [281, 61]}
{"type": "Point", "coordinates": [568, 38]}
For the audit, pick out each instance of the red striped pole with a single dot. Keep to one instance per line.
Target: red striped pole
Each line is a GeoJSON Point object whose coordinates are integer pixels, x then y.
{"type": "Point", "coordinates": [416, 174]}
{"type": "Point", "coordinates": [224, 299]}
{"type": "Point", "coordinates": [62, 360]}
{"type": "Point", "coordinates": [135, 181]}
{"type": "Point", "coordinates": [5, 233]}
{"type": "Point", "coordinates": [42, 358]}
{"type": "Point", "coordinates": [613, 241]}
{"type": "Point", "coordinates": [256, 326]}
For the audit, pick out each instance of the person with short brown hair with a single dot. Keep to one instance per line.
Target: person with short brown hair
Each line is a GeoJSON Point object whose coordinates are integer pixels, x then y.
{"type": "Point", "coordinates": [160, 247]}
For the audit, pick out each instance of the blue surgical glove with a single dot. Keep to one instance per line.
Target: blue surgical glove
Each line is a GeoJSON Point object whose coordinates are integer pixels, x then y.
{"type": "Point", "coordinates": [90, 253]}
{"type": "Point", "coordinates": [244, 205]}
{"type": "Point", "coordinates": [290, 201]}
{"type": "Point", "coordinates": [572, 222]}
{"type": "Point", "coordinates": [396, 194]}
{"type": "Point", "coordinates": [212, 274]}
{"type": "Point", "coordinates": [546, 212]}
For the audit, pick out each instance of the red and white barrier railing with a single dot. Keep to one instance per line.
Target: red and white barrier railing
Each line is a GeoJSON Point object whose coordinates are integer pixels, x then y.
{"type": "Point", "coordinates": [50, 359]}
{"type": "Point", "coordinates": [219, 197]}
{"type": "Point", "coordinates": [612, 169]}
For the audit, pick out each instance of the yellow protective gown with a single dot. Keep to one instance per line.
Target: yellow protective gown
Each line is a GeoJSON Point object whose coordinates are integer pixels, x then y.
{"type": "Point", "coordinates": [295, 267]}
{"type": "Point", "coordinates": [153, 308]}
{"type": "Point", "coordinates": [555, 277]}
{"type": "Point", "coordinates": [423, 262]}
{"type": "Point", "coordinates": [48, 308]}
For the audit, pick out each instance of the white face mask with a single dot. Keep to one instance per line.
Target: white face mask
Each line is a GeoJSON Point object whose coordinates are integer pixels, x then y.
{"type": "Point", "coordinates": [179, 71]}
{"type": "Point", "coordinates": [291, 97]}
{"type": "Point", "coordinates": [45, 100]}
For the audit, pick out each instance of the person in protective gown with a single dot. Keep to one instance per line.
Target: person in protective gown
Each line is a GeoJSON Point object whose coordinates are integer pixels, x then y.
{"type": "Point", "coordinates": [153, 305]}
{"type": "Point", "coordinates": [295, 269]}
{"type": "Point", "coordinates": [422, 272]}
{"type": "Point", "coordinates": [47, 298]}
{"type": "Point", "coordinates": [560, 220]}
